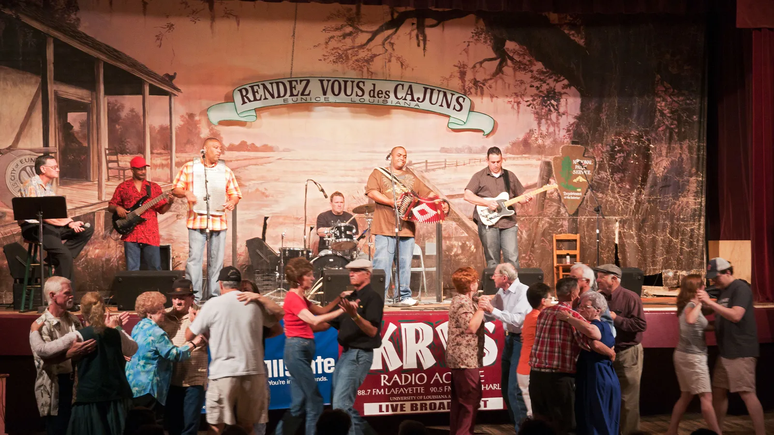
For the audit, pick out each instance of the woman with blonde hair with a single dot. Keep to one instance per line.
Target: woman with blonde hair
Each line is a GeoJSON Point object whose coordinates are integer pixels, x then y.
{"type": "Point", "coordinates": [690, 357]}
{"type": "Point", "coordinates": [465, 352]}
{"type": "Point", "coordinates": [103, 396]}
{"type": "Point", "coordinates": [150, 371]}
{"type": "Point", "coordinates": [302, 320]}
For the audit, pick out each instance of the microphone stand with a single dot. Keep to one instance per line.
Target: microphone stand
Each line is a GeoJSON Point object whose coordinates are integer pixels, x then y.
{"type": "Point", "coordinates": [597, 209]}
{"type": "Point", "coordinates": [207, 231]}
{"type": "Point", "coordinates": [396, 258]}
{"type": "Point", "coordinates": [306, 190]}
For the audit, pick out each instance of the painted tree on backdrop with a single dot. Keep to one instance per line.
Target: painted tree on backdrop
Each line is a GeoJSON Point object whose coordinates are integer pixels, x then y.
{"type": "Point", "coordinates": [639, 82]}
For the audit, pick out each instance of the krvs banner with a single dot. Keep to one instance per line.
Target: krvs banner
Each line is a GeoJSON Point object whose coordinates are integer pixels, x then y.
{"type": "Point", "coordinates": [409, 373]}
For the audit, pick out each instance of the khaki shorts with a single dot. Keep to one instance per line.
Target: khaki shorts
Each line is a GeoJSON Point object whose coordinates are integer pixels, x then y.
{"type": "Point", "coordinates": [735, 375]}
{"type": "Point", "coordinates": [245, 394]}
{"type": "Point", "coordinates": [692, 372]}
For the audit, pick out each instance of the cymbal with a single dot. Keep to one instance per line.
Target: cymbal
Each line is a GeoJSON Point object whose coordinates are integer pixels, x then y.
{"type": "Point", "coordinates": [364, 209]}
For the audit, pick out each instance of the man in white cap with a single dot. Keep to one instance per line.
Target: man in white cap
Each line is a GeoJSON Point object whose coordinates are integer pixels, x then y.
{"type": "Point", "coordinates": [359, 334]}
{"type": "Point", "coordinates": [737, 336]}
{"type": "Point", "coordinates": [629, 321]}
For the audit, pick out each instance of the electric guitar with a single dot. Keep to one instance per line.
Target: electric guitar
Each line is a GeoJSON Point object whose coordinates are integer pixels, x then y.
{"type": "Point", "coordinates": [134, 217]}
{"type": "Point", "coordinates": [489, 217]}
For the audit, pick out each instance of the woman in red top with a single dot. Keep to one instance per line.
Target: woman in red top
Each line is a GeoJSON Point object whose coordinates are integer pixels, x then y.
{"type": "Point", "coordinates": [302, 319]}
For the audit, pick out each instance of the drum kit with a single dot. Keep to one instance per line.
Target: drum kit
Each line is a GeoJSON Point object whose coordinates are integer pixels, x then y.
{"type": "Point", "coordinates": [342, 242]}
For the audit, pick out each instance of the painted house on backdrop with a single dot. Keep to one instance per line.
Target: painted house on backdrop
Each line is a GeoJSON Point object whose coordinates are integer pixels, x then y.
{"type": "Point", "coordinates": [55, 81]}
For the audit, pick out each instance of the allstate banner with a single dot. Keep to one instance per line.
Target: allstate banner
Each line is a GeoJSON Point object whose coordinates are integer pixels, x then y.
{"type": "Point", "coordinates": [335, 90]}
{"type": "Point", "coordinates": [326, 355]}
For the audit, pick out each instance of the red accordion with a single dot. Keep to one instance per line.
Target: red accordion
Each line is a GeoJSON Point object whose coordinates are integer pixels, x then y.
{"type": "Point", "coordinates": [416, 209]}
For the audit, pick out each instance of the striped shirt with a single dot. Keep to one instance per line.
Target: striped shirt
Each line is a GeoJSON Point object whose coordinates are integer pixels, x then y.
{"type": "Point", "coordinates": [198, 221]}
{"type": "Point", "coordinates": [557, 343]}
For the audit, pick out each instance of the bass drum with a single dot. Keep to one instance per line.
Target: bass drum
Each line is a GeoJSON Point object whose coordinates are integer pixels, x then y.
{"type": "Point", "coordinates": [328, 260]}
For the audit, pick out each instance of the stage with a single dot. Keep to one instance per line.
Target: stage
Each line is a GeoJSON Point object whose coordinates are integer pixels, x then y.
{"type": "Point", "coordinates": [409, 373]}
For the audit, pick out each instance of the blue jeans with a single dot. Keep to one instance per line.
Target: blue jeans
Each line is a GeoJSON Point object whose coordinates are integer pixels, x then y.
{"type": "Point", "coordinates": [509, 383]}
{"type": "Point", "coordinates": [305, 398]}
{"type": "Point", "coordinates": [134, 252]}
{"type": "Point", "coordinates": [197, 241]}
{"type": "Point", "coordinates": [183, 410]}
{"type": "Point", "coordinates": [383, 259]}
{"type": "Point", "coordinates": [495, 239]}
{"type": "Point", "coordinates": [350, 372]}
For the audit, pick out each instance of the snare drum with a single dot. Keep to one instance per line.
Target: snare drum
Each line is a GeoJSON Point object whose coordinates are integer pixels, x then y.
{"type": "Point", "coordinates": [343, 237]}
{"type": "Point", "coordinates": [328, 260]}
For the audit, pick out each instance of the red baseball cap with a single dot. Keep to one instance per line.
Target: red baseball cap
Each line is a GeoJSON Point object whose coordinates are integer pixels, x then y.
{"type": "Point", "coordinates": [138, 162]}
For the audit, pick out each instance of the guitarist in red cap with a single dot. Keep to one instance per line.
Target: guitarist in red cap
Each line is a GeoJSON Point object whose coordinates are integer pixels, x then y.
{"type": "Point", "coordinates": [135, 203]}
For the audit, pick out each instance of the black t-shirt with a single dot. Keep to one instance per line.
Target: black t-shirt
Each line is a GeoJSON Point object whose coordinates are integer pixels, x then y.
{"type": "Point", "coordinates": [371, 308]}
{"type": "Point", "coordinates": [328, 219]}
{"type": "Point", "coordinates": [737, 340]}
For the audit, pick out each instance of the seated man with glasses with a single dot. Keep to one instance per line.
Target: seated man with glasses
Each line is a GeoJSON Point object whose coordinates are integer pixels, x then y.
{"type": "Point", "coordinates": [74, 233]}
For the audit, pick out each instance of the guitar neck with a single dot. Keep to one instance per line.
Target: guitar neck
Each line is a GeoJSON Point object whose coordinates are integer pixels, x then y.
{"type": "Point", "coordinates": [149, 204]}
{"type": "Point", "coordinates": [545, 188]}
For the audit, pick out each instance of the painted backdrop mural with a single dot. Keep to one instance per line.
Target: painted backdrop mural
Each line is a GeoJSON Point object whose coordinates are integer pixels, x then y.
{"type": "Point", "coordinates": [626, 87]}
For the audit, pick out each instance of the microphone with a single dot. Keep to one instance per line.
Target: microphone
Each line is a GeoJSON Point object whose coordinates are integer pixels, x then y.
{"type": "Point", "coordinates": [202, 152]}
{"type": "Point", "coordinates": [319, 187]}
{"type": "Point", "coordinates": [388, 157]}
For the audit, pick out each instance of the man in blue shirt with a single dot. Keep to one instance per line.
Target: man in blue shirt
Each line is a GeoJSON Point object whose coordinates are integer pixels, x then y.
{"type": "Point", "coordinates": [510, 306]}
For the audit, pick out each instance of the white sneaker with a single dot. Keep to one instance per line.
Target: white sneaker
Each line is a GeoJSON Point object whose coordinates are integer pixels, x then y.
{"type": "Point", "coordinates": [409, 302]}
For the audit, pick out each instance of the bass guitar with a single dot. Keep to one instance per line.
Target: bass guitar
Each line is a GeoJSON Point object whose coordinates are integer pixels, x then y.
{"type": "Point", "coordinates": [490, 217]}
{"type": "Point", "coordinates": [134, 217]}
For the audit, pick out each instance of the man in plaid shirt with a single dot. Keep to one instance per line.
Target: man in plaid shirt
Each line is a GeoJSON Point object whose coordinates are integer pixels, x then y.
{"type": "Point", "coordinates": [554, 354]}
{"type": "Point", "coordinates": [186, 186]}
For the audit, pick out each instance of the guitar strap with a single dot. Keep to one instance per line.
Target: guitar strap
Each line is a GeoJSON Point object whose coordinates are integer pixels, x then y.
{"type": "Point", "coordinates": [507, 180]}
{"type": "Point", "coordinates": [147, 194]}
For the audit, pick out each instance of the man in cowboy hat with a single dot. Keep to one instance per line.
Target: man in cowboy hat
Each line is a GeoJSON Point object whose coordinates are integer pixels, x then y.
{"type": "Point", "coordinates": [186, 391]}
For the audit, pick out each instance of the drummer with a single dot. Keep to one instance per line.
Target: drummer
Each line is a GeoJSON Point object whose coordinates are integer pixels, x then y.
{"type": "Point", "coordinates": [328, 220]}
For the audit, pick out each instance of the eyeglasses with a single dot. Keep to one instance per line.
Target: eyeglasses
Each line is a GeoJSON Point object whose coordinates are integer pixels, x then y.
{"type": "Point", "coordinates": [55, 167]}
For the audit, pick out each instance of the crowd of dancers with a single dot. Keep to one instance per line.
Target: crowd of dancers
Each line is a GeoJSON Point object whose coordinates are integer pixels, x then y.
{"type": "Point", "coordinates": [568, 365]}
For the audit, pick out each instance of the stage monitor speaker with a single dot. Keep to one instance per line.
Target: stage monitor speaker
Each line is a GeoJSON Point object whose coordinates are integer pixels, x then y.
{"type": "Point", "coordinates": [262, 257]}
{"type": "Point", "coordinates": [632, 279]}
{"type": "Point", "coordinates": [128, 285]}
{"type": "Point", "coordinates": [336, 281]}
{"type": "Point", "coordinates": [15, 255]}
{"type": "Point", "coordinates": [527, 276]}
{"type": "Point", "coordinates": [165, 255]}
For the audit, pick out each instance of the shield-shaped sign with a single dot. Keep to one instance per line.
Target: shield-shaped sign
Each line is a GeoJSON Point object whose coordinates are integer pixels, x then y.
{"type": "Point", "coordinates": [573, 172]}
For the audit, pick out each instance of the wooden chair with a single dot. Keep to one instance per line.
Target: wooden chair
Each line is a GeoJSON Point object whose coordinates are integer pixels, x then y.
{"type": "Point", "coordinates": [114, 164]}
{"type": "Point", "coordinates": [565, 246]}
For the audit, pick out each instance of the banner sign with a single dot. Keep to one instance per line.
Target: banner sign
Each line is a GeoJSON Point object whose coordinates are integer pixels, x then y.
{"type": "Point", "coordinates": [336, 90]}
{"type": "Point", "coordinates": [409, 373]}
{"type": "Point", "coordinates": [573, 171]}
{"type": "Point", "coordinates": [325, 357]}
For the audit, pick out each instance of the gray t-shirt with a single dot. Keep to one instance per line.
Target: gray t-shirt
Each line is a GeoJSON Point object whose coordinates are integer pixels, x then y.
{"type": "Point", "coordinates": [737, 340]}
{"type": "Point", "coordinates": [692, 335]}
{"type": "Point", "coordinates": [236, 335]}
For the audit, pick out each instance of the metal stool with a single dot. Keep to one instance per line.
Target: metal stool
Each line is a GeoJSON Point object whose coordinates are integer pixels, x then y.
{"type": "Point", "coordinates": [34, 258]}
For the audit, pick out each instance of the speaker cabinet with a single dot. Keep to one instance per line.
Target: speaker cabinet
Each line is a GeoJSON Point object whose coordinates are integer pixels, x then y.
{"type": "Point", "coordinates": [128, 285]}
{"type": "Point", "coordinates": [16, 255]}
{"type": "Point", "coordinates": [527, 276]}
{"type": "Point", "coordinates": [632, 279]}
{"type": "Point", "coordinates": [336, 281]}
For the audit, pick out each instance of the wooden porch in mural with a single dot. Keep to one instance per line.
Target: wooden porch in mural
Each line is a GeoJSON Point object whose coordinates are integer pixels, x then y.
{"type": "Point", "coordinates": [67, 112]}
